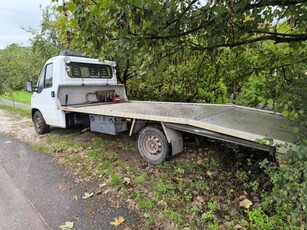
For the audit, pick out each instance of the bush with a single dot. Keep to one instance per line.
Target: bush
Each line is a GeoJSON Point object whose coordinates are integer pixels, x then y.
{"type": "Point", "coordinates": [288, 200]}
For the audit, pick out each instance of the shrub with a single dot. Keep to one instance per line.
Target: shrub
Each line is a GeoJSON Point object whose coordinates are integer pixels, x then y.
{"type": "Point", "coordinates": [288, 199]}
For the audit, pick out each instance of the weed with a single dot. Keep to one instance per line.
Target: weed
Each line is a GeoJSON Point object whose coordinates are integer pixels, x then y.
{"type": "Point", "coordinates": [187, 196]}
{"type": "Point", "coordinates": [93, 153]}
{"type": "Point", "coordinates": [259, 220]}
{"type": "Point", "coordinates": [66, 143]}
{"type": "Point", "coordinates": [104, 164]}
{"type": "Point", "coordinates": [195, 208]}
{"type": "Point", "coordinates": [214, 163]}
{"type": "Point", "coordinates": [141, 178]}
{"type": "Point", "coordinates": [98, 142]}
{"type": "Point", "coordinates": [254, 185]}
{"type": "Point", "coordinates": [208, 215]}
{"type": "Point", "coordinates": [242, 175]}
{"type": "Point", "coordinates": [115, 179]}
{"type": "Point", "coordinates": [165, 165]}
{"type": "Point", "coordinates": [128, 146]}
{"type": "Point", "coordinates": [214, 225]}
{"type": "Point", "coordinates": [175, 216]}
{"type": "Point", "coordinates": [144, 202]}
{"type": "Point", "coordinates": [42, 148]}
{"type": "Point", "coordinates": [163, 187]}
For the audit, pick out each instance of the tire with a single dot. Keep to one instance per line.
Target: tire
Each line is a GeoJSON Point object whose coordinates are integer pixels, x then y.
{"type": "Point", "coordinates": [153, 145]}
{"type": "Point", "coordinates": [40, 124]}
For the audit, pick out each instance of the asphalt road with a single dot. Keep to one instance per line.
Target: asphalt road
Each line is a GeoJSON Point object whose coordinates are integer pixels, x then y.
{"type": "Point", "coordinates": [15, 104]}
{"type": "Point", "coordinates": [37, 193]}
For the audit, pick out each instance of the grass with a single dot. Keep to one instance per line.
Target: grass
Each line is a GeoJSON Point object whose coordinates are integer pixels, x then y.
{"type": "Point", "coordinates": [20, 96]}
{"type": "Point", "coordinates": [140, 179]}
{"type": "Point", "coordinates": [21, 111]}
{"type": "Point", "coordinates": [173, 190]}
{"type": "Point", "coordinates": [195, 192]}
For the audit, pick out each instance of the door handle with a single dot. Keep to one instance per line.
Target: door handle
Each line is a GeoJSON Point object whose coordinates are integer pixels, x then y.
{"type": "Point", "coordinates": [52, 94]}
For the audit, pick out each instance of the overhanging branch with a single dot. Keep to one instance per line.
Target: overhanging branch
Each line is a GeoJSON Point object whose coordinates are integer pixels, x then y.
{"type": "Point", "coordinates": [276, 39]}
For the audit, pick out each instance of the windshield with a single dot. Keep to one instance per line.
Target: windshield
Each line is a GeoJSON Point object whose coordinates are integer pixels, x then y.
{"type": "Point", "coordinates": [88, 70]}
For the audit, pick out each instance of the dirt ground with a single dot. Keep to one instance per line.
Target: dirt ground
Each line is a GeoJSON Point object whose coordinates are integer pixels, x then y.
{"type": "Point", "coordinates": [18, 127]}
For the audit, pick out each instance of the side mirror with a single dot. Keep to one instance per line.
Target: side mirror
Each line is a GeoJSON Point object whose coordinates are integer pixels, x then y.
{"type": "Point", "coordinates": [29, 87]}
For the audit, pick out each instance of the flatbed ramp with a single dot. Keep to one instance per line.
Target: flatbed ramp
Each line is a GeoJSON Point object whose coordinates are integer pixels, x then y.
{"type": "Point", "coordinates": [235, 121]}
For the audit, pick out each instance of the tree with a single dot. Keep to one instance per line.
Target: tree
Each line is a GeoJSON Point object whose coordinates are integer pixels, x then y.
{"type": "Point", "coordinates": [45, 42]}
{"type": "Point", "coordinates": [18, 64]}
{"type": "Point", "coordinates": [15, 67]}
{"type": "Point", "coordinates": [200, 25]}
{"type": "Point", "coordinates": [189, 50]}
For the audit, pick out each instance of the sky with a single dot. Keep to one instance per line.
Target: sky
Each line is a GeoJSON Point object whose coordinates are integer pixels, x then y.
{"type": "Point", "coordinates": [15, 14]}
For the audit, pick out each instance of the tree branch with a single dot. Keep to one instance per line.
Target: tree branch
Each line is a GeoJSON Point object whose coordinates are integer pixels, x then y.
{"type": "Point", "coordinates": [264, 3]}
{"type": "Point", "coordinates": [263, 38]}
{"type": "Point", "coordinates": [181, 15]}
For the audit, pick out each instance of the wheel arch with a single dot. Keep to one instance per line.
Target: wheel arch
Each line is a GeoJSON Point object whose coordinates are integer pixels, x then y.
{"type": "Point", "coordinates": [33, 110]}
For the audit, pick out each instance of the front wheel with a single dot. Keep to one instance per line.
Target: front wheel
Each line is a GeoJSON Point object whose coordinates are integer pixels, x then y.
{"type": "Point", "coordinates": [153, 145]}
{"type": "Point", "coordinates": [40, 124]}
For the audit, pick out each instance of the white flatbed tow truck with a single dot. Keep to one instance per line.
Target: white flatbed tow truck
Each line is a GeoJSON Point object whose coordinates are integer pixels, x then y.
{"type": "Point", "coordinates": [76, 90]}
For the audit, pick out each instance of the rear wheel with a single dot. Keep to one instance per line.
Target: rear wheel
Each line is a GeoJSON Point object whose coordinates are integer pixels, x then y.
{"type": "Point", "coordinates": [153, 145]}
{"type": "Point", "coordinates": [40, 124]}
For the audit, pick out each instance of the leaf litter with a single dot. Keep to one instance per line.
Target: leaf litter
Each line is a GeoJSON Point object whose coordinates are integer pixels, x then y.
{"type": "Point", "coordinates": [217, 173]}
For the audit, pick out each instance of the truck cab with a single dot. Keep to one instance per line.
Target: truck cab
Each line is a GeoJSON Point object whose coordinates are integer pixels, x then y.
{"type": "Point", "coordinates": [68, 69]}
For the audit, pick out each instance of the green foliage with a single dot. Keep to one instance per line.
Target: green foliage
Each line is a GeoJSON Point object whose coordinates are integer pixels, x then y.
{"type": "Point", "coordinates": [144, 202]}
{"type": "Point", "coordinates": [208, 215]}
{"type": "Point", "coordinates": [115, 179]}
{"type": "Point", "coordinates": [193, 51]}
{"type": "Point", "coordinates": [45, 41]}
{"type": "Point", "coordinates": [140, 179]}
{"type": "Point", "coordinates": [289, 198]}
{"type": "Point", "coordinates": [277, 80]}
{"type": "Point", "coordinates": [15, 67]}
{"type": "Point", "coordinates": [259, 220]}
{"type": "Point", "coordinates": [18, 64]}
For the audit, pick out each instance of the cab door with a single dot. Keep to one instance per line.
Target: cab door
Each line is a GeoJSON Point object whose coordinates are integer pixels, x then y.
{"type": "Point", "coordinates": [44, 99]}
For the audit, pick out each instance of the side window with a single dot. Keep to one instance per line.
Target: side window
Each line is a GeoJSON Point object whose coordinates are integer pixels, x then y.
{"type": "Point", "coordinates": [40, 83]}
{"type": "Point", "coordinates": [46, 77]}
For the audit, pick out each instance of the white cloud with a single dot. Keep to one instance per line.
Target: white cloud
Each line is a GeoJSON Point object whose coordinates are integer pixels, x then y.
{"type": "Point", "coordinates": [15, 14]}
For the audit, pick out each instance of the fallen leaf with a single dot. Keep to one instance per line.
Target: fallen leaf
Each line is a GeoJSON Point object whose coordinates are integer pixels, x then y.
{"type": "Point", "coordinates": [87, 195]}
{"type": "Point", "coordinates": [238, 226]}
{"type": "Point", "coordinates": [98, 192]}
{"type": "Point", "coordinates": [118, 221]}
{"type": "Point", "coordinates": [200, 199]}
{"type": "Point", "coordinates": [199, 162]}
{"type": "Point", "coordinates": [102, 185]}
{"type": "Point", "coordinates": [67, 226]}
{"type": "Point", "coordinates": [246, 203]}
{"type": "Point", "coordinates": [107, 191]}
{"type": "Point", "coordinates": [75, 197]}
{"type": "Point", "coordinates": [161, 204]}
{"type": "Point", "coordinates": [7, 142]}
{"type": "Point", "coordinates": [175, 179]}
{"type": "Point", "coordinates": [127, 180]}
{"type": "Point", "coordinates": [180, 170]}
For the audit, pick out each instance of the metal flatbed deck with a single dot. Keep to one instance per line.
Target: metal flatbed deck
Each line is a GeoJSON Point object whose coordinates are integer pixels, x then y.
{"type": "Point", "coordinates": [236, 121]}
